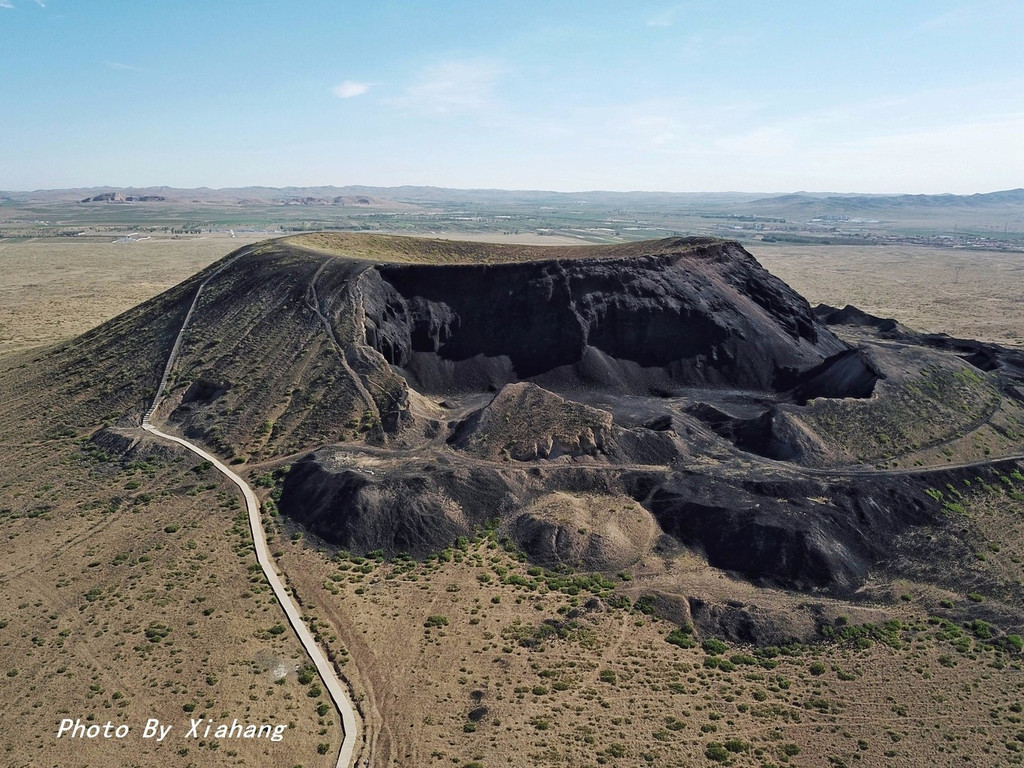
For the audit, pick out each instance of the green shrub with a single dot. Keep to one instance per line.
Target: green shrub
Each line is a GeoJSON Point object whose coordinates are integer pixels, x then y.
{"type": "Point", "coordinates": [736, 745]}
{"type": "Point", "coordinates": [981, 629]}
{"type": "Point", "coordinates": [743, 658]}
{"type": "Point", "coordinates": [717, 752]}
{"type": "Point", "coordinates": [714, 646]}
{"type": "Point", "coordinates": [157, 632]}
{"type": "Point", "coordinates": [616, 750]}
{"type": "Point", "coordinates": [681, 637]}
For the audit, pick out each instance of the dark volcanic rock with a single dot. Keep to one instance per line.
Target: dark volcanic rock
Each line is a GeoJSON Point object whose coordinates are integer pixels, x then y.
{"type": "Point", "coordinates": [415, 511]}
{"type": "Point", "coordinates": [982, 355]}
{"type": "Point", "coordinates": [795, 532]}
{"type": "Point", "coordinates": [623, 407]}
{"type": "Point", "coordinates": [524, 422]}
{"type": "Point", "coordinates": [570, 397]}
{"type": "Point", "coordinates": [807, 532]}
{"type": "Point", "coordinates": [709, 315]}
{"type": "Point", "coordinates": [851, 315]}
{"type": "Point", "coordinates": [772, 433]}
{"type": "Point", "coordinates": [848, 374]}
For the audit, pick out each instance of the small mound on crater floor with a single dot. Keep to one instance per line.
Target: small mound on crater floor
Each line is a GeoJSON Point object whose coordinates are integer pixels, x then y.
{"type": "Point", "coordinates": [586, 531]}
{"type": "Point", "coordinates": [524, 422]}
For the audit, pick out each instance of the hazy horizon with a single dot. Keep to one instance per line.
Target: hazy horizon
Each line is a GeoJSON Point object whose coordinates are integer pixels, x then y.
{"type": "Point", "coordinates": [905, 98]}
{"type": "Point", "coordinates": [524, 190]}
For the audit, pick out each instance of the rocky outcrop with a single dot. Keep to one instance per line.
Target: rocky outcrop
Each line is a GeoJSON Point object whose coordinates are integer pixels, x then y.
{"type": "Point", "coordinates": [774, 433]}
{"type": "Point", "coordinates": [810, 533]}
{"type": "Point", "coordinates": [705, 315]}
{"type": "Point", "coordinates": [525, 423]}
{"type": "Point", "coordinates": [415, 510]}
{"type": "Point", "coordinates": [119, 197]}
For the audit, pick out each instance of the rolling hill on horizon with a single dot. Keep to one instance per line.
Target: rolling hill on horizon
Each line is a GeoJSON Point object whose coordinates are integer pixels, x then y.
{"type": "Point", "coordinates": [429, 194]}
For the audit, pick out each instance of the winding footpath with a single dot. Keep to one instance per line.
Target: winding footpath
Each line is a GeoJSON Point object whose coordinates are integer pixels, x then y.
{"type": "Point", "coordinates": [336, 689]}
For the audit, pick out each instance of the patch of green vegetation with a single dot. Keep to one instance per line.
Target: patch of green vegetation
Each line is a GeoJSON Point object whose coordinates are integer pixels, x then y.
{"type": "Point", "coordinates": [682, 637]}
{"type": "Point", "coordinates": [156, 632]}
{"type": "Point", "coordinates": [714, 646]}
{"type": "Point", "coordinates": [534, 636]}
{"type": "Point", "coordinates": [863, 635]}
{"type": "Point", "coordinates": [716, 752]}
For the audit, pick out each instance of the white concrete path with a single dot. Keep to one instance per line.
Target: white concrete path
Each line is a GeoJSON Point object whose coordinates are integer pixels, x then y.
{"type": "Point", "coordinates": [336, 688]}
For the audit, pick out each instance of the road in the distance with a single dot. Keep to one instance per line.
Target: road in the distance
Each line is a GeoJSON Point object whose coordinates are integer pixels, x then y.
{"type": "Point", "coordinates": [335, 688]}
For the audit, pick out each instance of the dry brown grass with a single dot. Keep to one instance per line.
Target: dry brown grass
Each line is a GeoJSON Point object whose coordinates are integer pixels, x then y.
{"type": "Point", "coordinates": [56, 288]}
{"type": "Point", "coordinates": [609, 689]}
{"type": "Point", "coordinates": [128, 592]}
{"type": "Point", "coordinates": [421, 250]}
{"type": "Point", "coordinates": [970, 294]}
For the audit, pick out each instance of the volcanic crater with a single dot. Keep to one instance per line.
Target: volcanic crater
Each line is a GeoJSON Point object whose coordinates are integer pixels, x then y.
{"type": "Point", "coordinates": [643, 407]}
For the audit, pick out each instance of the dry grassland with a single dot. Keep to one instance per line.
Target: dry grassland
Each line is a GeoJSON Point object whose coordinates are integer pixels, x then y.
{"type": "Point", "coordinates": [128, 591]}
{"type": "Point", "coordinates": [56, 288]}
{"type": "Point", "coordinates": [970, 294]}
{"type": "Point", "coordinates": [475, 658]}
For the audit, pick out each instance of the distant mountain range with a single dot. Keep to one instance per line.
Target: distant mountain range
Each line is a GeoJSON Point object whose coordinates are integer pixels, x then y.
{"type": "Point", "coordinates": [854, 201]}
{"type": "Point", "coordinates": [400, 197]}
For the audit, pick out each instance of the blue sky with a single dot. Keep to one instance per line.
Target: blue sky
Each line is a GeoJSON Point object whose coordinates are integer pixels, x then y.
{"type": "Point", "coordinates": [710, 95]}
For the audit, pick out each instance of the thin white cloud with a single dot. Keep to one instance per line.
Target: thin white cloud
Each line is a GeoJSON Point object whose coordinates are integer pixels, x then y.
{"type": "Point", "coordinates": [350, 88]}
{"type": "Point", "coordinates": [6, 4]}
{"type": "Point", "coordinates": [664, 19]}
{"type": "Point", "coordinates": [960, 17]}
{"type": "Point", "coordinates": [40, 3]}
{"type": "Point", "coordinates": [453, 86]}
{"type": "Point", "coordinates": [122, 67]}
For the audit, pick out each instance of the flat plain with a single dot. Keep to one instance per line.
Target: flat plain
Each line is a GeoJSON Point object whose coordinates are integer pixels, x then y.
{"type": "Point", "coordinates": [972, 294]}
{"type": "Point", "coordinates": [58, 287]}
